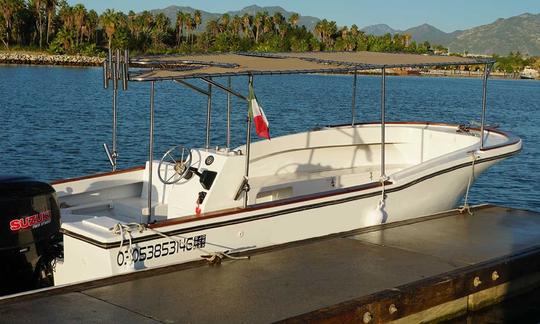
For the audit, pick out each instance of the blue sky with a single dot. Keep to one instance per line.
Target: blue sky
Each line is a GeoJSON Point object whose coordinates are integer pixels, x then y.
{"type": "Point", "coordinates": [447, 15]}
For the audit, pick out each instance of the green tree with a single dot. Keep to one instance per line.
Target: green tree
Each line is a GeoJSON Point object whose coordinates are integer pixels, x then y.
{"type": "Point", "coordinates": [79, 19]}
{"type": "Point", "coordinates": [293, 19]}
{"type": "Point", "coordinates": [92, 21]}
{"type": "Point", "coordinates": [39, 10]}
{"type": "Point", "coordinates": [50, 8]}
{"type": "Point", "coordinates": [197, 18]}
{"type": "Point", "coordinates": [246, 25]}
{"type": "Point", "coordinates": [159, 32]}
{"type": "Point", "coordinates": [110, 21]}
{"type": "Point", "coordinates": [9, 8]}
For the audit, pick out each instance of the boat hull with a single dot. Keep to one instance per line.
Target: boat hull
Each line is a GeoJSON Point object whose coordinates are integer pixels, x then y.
{"type": "Point", "coordinates": [258, 228]}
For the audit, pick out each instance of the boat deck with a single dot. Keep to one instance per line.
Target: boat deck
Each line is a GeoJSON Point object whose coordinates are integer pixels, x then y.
{"type": "Point", "coordinates": [388, 272]}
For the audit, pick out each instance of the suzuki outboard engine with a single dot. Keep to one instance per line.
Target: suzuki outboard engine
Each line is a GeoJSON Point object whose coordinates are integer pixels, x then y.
{"type": "Point", "coordinates": [29, 234]}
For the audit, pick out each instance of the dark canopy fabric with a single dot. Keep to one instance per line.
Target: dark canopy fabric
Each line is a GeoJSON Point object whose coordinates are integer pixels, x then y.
{"type": "Point", "coordinates": [215, 65]}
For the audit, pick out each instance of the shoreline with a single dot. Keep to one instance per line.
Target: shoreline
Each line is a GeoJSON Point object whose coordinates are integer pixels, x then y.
{"type": "Point", "coordinates": [24, 58]}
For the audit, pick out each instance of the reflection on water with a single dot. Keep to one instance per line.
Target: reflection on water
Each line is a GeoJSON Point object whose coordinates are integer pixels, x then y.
{"type": "Point", "coordinates": [522, 309]}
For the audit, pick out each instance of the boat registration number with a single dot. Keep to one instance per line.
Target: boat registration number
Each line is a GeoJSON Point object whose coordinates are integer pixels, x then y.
{"type": "Point", "coordinates": [160, 250]}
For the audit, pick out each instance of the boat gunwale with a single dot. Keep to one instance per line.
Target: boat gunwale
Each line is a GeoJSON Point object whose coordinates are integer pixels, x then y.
{"type": "Point", "coordinates": [314, 196]}
{"type": "Point", "coordinates": [512, 140]}
{"type": "Point", "coordinates": [233, 211]}
{"type": "Point", "coordinates": [98, 175]}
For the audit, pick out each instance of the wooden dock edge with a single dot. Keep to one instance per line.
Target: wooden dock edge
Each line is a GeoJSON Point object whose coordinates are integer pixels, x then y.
{"type": "Point", "coordinates": [438, 298]}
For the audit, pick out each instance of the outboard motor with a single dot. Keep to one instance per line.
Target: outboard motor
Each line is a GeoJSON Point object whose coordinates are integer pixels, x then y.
{"type": "Point", "coordinates": [29, 234]}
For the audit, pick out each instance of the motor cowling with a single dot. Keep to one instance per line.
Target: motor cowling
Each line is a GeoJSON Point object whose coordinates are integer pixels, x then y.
{"type": "Point", "coordinates": [29, 233]}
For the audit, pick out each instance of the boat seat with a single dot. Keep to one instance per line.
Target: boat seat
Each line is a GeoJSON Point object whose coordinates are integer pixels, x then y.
{"type": "Point", "coordinates": [135, 207]}
{"type": "Point", "coordinates": [275, 187]}
{"type": "Point", "coordinates": [126, 210]}
{"type": "Point", "coordinates": [368, 173]}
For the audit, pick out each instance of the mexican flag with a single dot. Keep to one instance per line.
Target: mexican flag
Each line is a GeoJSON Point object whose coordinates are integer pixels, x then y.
{"type": "Point", "coordinates": [256, 114]}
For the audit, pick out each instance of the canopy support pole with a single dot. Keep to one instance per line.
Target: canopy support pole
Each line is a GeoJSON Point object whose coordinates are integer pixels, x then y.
{"type": "Point", "coordinates": [116, 76]}
{"type": "Point", "coordinates": [115, 64]}
{"type": "Point", "coordinates": [192, 87]}
{"type": "Point", "coordinates": [353, 104]}
{"type": "Point", "coordinates": [115, 68]}
{"type": "Point", "coordinates": [228, 90]}
{"type": "Point", "coordinates": [248, 147]}
{"type": "Point", "coordinates": [150, 154]}
{"type": "Point", "coordinates": [208, 117]}
{"type": "Point", "coordinates": [487, 69]}
{"type": "Point", "coordinates": [229, 113]}
{"type": "Point", "coordinates": [383, 131]}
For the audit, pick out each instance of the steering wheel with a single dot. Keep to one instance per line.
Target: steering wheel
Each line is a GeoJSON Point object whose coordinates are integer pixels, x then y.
{"type": "Point", "coordinates": [180, 157]}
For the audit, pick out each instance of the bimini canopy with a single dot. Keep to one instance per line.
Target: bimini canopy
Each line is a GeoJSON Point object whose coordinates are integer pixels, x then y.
{"type": "Point", "coordinates": [155, 68]}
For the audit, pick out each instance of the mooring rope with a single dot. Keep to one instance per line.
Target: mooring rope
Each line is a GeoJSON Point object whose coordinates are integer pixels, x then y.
{"type": "Point", "coordinates": [123, 229]}
{"type": "Point", "coordinates": [383, 180]}
{"type": "Point", "coordinates": [466, 207]}
{"type": "Point", "coordinates": [211, 256]}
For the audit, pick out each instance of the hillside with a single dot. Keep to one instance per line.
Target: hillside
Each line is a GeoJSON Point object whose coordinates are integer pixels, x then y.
{"type": "Point", "coordinates": [520, 33]}
{"type": "Point", "coordinates": [380, 30]}
{"type": "Point", "coordinates": [171, 12]}
{"type": "Point", "coordinates": [429, 33]}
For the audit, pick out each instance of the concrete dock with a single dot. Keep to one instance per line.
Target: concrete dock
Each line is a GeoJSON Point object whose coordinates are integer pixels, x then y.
{"type": "Point", "coordinates": [433, 267]}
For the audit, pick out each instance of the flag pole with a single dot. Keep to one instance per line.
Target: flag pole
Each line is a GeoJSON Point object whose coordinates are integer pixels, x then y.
{"type": "Point", "coordinates": [229, 84]}
{"type": "Point", "coordinates": [208, 117]}
{"type": "Point", "coordinates": [248, 146]}
{"type": "Point", "coordinates": [353, 104]}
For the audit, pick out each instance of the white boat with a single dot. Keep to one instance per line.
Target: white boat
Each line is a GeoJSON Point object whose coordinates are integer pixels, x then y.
{"type": "Point", "coordinates": [529, 73]}
{"type": "Point", "coordinates": [215, 201]}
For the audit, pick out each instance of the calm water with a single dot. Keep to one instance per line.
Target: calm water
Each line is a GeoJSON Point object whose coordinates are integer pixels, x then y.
{"type": "Point", "coordinates": [54, 120]}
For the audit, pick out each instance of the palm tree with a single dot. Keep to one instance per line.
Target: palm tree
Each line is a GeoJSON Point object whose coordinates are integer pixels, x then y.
{"type": "Point", "coordinates": [277, 19]}
{"type": "Point", "coordinates": [50, 8]}
{"type": "Point", "coordinates": [197, 18]}
{"type": "Point", "coordinates": [354, 31]}
{"type": "Point", "coordinates": [324, 30]}
{"type": "Point", "coordinates": [145, 22]}
{"type": "Point", "coordinates": [109, 21]}
{"type": "Point", "coordinates": [317, 30]}
{"type": "Point", "coordinates": [293, 19]}
{"type": "Point", "coordinates": [92, 21]}
{"type": "Point", "coordinates": [236, 25]}
{"type": "Point", "coordinates": [39, 7]}
{"type": "Point", "coordinates": [188, 23]}
{"type": "Point", "coordinates": [66, 16]}
{"type": "Point", "coordinates": [212, 27]}
{"type": "Point", "coordinates": [132, 25]}
{"type": "Point", "coordinates": [268, 24]}
{"type": "Point", "coordinates": [407, 39]}
{"type": "Point", "coordinates": [179, 26]}
{"type": "Point", "coordinates": [258, 22]}
{"type": "Point", "coordinates": [160, 28]}
{"type": "Point", "coordinates": [79, 15]}
{"type": "Point", "coordinates": [246, 25]}
{"type": "Point", "coordinates": [9, 8]}
{"type": "Point", "coordinates": [224, 22]}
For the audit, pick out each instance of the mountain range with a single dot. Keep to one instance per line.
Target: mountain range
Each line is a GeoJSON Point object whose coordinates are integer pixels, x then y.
{"type": "Point", "coordinates": [519, 33]}
{"type": "Point", "coordinates": [171, 11]}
